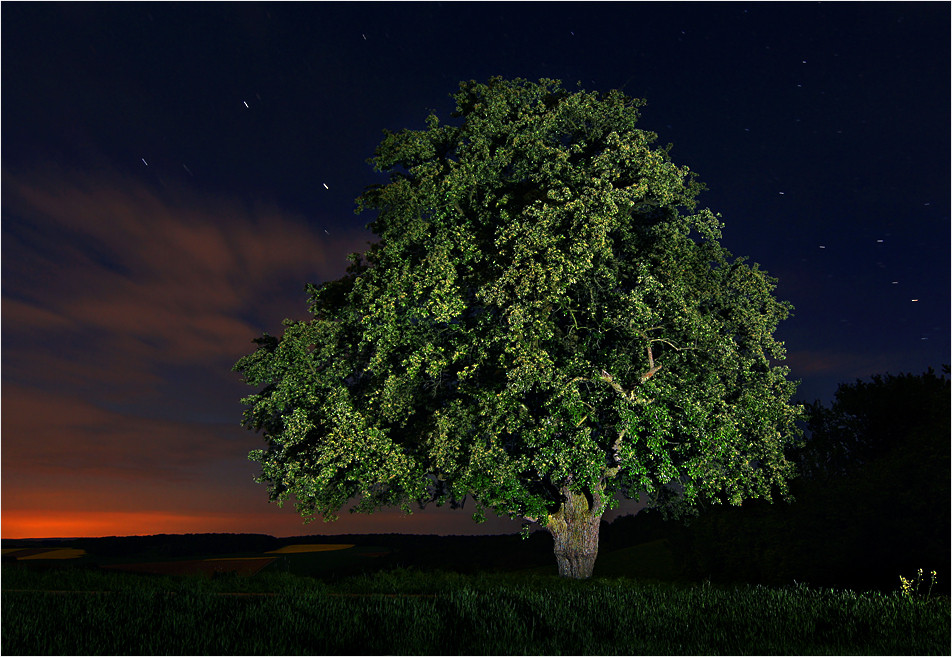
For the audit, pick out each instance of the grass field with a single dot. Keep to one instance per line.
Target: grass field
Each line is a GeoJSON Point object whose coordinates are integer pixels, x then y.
{"type": "Point", "coordinates": [71, 608]}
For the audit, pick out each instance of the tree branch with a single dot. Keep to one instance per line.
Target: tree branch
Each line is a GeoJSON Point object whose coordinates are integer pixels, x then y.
{"type": "Point", "coordinates": [630, 394]}
{"type": "Point", "coordinates": [612, 471]}
{"type": "Point", "coordinates": [652, 368]}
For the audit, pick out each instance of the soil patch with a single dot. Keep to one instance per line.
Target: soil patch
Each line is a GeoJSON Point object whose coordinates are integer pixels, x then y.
{"type": "Point", "coordinates": [44, 553]}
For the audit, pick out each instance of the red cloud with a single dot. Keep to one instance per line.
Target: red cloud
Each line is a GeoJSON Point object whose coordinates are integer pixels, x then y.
{"type": "Point", "coordinates": [123, 311]}
{"type": "Point", "coordinates": [178, 272]}
{"type": "Point", "coordinates": [55, 435]}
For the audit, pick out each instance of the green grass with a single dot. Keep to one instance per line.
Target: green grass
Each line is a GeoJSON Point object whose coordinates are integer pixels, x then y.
{"type": "Point", "coordinates": [409, 612]}
{"type": "Point", "coordinates": [646, 561]}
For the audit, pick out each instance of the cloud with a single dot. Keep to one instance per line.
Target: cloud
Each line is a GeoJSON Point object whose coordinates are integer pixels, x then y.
{"type": "Point", "coordinates": [822, 371]}
{"type": "Point", "coordinates": [29, 317]}
{"type": "Point", "coordinates": [123, 309]}
{"type": "Point", "coordinates": [55, 435]}
{"type": "Point", "coordinates": [104, 273]}
{"type": "Point", "coordinates": [182, 273]}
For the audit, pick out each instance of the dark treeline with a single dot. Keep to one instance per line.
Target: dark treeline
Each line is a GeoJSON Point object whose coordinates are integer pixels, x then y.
{"type": "Point", "coordinates": [872, 501]}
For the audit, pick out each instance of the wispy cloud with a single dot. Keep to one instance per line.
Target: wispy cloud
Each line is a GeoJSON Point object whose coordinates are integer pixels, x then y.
{"type": "Point", "coordinates": [54, 435]}
{"type": "Point", "coordinates": [123, 310]}
{"type": "Point", "coordinates": [185, 274]}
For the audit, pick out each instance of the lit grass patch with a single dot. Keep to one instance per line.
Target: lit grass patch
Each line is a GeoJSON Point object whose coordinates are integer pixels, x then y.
{"type": "Point", "coordinates": [58, 553]}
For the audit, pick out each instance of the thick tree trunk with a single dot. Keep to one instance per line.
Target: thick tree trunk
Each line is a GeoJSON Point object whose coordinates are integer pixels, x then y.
{"type": "Point", "coordinates": [574, 529]}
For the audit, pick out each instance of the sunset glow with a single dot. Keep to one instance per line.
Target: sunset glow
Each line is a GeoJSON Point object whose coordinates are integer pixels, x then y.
{"type": "Point", "coordinates": [33, 524]}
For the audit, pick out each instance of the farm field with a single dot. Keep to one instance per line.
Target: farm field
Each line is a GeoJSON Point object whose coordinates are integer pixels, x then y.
{"type": "Point", "coordinates": [298, 558]}
{"type": "Point", "coordinates": [300, 602]}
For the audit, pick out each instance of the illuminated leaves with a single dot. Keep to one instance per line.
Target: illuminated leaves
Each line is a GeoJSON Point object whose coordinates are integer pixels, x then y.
{"type": "Point", "coordinates": [544, 308]}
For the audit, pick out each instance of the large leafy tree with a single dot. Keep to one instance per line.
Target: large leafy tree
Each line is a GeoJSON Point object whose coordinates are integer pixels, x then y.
{"type": "Point", "coordinates": [546, 322]}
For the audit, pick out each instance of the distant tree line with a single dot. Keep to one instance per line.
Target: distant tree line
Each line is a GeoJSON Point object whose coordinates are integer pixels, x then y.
{"type": "Point", "coordinates": [871, 503]}
{"type": "Point", "coordinates": [177, 545]}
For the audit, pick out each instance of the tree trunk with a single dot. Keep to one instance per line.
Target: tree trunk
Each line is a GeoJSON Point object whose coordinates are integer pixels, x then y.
{"type": "Point", "coordinates": [574, 529]}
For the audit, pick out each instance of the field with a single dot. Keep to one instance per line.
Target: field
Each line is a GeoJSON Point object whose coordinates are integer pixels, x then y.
{"type": "Point", "coordinates": [313, 599]}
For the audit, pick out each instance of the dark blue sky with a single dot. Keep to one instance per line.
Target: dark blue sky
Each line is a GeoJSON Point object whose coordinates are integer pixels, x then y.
{"type": "Point", "coordinates": [174, 173]}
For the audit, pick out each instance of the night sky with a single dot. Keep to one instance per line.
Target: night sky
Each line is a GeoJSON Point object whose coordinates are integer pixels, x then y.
{"type": "Point", "coordinates": [173, 175]}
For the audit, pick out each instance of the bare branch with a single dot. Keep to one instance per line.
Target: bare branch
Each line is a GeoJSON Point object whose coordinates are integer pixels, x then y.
{"type": "Point", "coordinates": [652, 368]}
{"type": "Point", "coordinates": [578, 378]}
{"type": "Point", "coordinates": [628, 395]}
{"type": "Point", "coordinates": [669, 343]}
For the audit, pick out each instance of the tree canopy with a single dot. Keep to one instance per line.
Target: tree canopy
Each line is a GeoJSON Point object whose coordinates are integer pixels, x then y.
{"type": "Point", "coordinates": [546, 321]}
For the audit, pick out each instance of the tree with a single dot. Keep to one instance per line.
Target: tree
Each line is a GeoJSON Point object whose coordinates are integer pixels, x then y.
{"type": "Point", "coordinates": [879, 459]}
{"type": "Point", "coordinates": [544, 323]}
{"type": "Point", "coordinates": [869, 419]}
{"type": "Point", "coordinates": [875, 472]}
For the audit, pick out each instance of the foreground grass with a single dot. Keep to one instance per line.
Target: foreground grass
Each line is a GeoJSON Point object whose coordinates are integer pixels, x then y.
{"type": "Point", "coordinates": [402, 612]}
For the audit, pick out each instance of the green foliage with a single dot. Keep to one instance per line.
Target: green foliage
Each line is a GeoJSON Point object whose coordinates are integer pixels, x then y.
{"type": "Point", "coordinates": [546, 311]}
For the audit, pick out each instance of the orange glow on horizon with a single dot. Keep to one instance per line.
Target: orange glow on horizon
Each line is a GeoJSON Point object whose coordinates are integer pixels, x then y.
{"type": "Point", "coordinates": [52, 523]}
{"type": "Point", "coordinates": [48, 524]}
